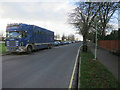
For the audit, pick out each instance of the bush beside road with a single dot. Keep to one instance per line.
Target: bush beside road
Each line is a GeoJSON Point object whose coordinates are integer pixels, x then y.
{"type": "Point", "coordinates": [2, 48]}
{"type": "Point", "coordinates": [94, 74]}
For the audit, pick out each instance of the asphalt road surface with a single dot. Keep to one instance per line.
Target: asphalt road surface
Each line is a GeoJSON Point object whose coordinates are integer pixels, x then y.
{"type": "Point", "coordinates": [48, 68]}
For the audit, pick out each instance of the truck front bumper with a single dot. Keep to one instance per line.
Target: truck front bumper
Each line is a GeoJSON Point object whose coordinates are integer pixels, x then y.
{"type": "Point", "coordinates": [16, 49]}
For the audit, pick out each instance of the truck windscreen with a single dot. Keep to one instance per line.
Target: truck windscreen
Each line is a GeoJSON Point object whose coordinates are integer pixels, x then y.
{"type": "Point", "coordinates": [14, 34]}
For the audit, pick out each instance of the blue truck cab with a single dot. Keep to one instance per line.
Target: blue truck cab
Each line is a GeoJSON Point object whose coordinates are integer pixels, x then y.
{"type": "Point", "coordinates": [26, 38]}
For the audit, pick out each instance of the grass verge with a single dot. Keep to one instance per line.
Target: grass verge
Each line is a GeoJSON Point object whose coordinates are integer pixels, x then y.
{"type": "Point", "coordinates": [94, 74]}
{"type": "Point", "coordinates": [2, 48]}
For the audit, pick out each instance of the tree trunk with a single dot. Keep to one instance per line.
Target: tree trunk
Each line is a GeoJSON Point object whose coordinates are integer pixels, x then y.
{"type": "Point", "coordinates": [84, 44]}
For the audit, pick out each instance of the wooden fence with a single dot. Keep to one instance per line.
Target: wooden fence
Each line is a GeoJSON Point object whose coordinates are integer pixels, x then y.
{"type": "Point", "coordinates": [111, 45]}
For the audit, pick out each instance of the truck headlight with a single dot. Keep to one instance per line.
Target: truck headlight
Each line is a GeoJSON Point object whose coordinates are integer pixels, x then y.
{"type": "Point", "coordinates": [17, 42]}
{"type": "Point", "coordinates": [7, 43]}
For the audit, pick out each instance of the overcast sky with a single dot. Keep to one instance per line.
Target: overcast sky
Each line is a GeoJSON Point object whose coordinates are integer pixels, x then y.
{"type": "Point", "coordinates": [49, 14]}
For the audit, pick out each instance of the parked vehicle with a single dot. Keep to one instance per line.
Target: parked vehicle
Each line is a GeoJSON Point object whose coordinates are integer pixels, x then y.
{"type": "Point", "coordinates": [62, 43]}
{"type": "Point", "coordinates": [56, 43]}
{"type": "Point", "coordinates": [70, 42]}
{"type": "Point", "coordinates": [26, 38]}
{"type": "Point", "coordinates": [66, 42]}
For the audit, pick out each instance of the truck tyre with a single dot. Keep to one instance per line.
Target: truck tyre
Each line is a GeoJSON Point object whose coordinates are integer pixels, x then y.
{"type": "Point", "coordinates": [29, 49]}
{"type": "Point", "coordinates": [49, 46]}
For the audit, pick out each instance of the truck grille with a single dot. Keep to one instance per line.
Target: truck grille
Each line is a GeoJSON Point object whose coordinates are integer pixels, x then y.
{"type": "Point", "coordinates": [12, 43]}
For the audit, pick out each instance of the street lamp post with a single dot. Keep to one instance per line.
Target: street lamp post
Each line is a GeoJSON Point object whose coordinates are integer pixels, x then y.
{"type": "Point", "coordinates": [95, 57]}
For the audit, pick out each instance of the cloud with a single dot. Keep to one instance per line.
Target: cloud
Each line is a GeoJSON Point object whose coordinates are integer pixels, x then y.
{"type": "Point", "coordinates": [59, 0]}
{"type": "Point", "coordinates": [52, 16]}
{"type": "Point", "coordinates": [32, 0]}
{"type": "Point", "coordinates": [37, 11]}
{"type": "Point", "coordinates": [41, 0]}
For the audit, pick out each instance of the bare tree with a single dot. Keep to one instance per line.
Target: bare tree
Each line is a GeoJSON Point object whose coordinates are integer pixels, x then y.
{"type": "Point", "coordinates": [71, 37]}
{"type": "Point", "coordinates": [88, 14]}
{"type": "Point", "coordinates": [64, 37]}
{"type": "Point", "coordinates": [107, 9]}
{"type": "Point", "coordinates": [82, 18]}
{"type": "Point", "coordinates": [57, 37]}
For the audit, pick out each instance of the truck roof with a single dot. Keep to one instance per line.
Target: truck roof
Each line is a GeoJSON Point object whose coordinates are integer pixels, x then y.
{"type": "Point", "coordinates": [22, 24]}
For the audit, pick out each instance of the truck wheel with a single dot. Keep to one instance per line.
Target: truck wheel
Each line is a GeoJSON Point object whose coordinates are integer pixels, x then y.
{"type": "Point", "coordinates": [29, 49]}
{"type": "Point", "coordinates": [49, 46]}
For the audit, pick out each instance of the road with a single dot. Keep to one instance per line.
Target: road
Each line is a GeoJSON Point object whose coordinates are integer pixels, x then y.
{"type": "Point", "coordinates": [48, 68]}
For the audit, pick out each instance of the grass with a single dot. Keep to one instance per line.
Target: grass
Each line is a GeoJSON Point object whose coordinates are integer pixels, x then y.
{"type": "Point", "coordinates": [2, 48]}
{"type": "Point", "coordinates": [94, 74]}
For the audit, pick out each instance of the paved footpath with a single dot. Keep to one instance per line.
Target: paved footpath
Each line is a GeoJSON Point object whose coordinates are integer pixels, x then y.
{"type": "Point", "coordinates": [108, 59]}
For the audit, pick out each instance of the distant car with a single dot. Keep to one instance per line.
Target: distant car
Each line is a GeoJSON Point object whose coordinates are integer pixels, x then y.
{"type": "Point", "coordinates": [70, 42]}
{"type": "Point", "coordinates": [66, 42]}
{"type": "Point", "coordinates": [56, 43]}
{"type": "Point", "coordinates": [62, 43]}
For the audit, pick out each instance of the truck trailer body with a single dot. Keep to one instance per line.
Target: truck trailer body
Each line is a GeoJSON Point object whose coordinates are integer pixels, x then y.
{"type": "Point", "coordinates": [25, 38]}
